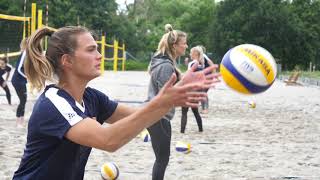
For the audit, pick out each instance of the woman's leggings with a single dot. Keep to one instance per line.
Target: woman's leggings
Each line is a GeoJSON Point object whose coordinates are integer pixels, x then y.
{"type": "Point", "coordinates": [184, 118]}
{"type": "Point", "coordinates": [8, 95]}
{"type": "Point", "coordinates": [205, 103]}
{"type": "Point", "coordinates": [160, 134]}
{"type": "Point", "coordinates": [22, 94]}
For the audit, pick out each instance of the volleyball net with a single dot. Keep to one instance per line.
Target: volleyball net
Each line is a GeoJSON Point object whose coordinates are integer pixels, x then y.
{"type": "Point", "coordinates": [15, 28]}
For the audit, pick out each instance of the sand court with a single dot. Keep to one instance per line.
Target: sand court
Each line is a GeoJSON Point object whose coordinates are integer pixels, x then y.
{"type": "Point", "coordinates": [279, 139]}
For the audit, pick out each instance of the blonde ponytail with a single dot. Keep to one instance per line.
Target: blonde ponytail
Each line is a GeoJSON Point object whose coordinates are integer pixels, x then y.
{"type": "Point", "coordinates": [37, 68]}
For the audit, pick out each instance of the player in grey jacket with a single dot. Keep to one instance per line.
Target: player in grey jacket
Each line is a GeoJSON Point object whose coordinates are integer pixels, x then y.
{"type": "Point", "coordinates": [163, 64]}
{"type": "Point", "coordinates": [172, 45]}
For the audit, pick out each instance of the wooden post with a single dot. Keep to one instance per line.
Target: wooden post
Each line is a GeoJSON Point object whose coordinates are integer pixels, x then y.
{"type": "Point", "coordinates": [103, 43]}
{"type": "Point", "coordinates": [123, 57]}
{"type": "Point", "coordinates": [115, 55]}
{"type": "Point", "coordinates": [29, 26]}
{"type": "Point", "coordinates": [33, 17]}
{"type": "Point", "coordinates": [39, 18]}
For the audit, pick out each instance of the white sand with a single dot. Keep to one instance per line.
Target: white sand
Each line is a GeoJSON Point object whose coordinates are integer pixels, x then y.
{"type": "Point", "coordinates": [279, 139]}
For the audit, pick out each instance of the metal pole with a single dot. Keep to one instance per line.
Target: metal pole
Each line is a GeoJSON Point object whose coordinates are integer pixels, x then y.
{"type": "Point", "coordinates": [47, 19]}
{"type": "Point", "coordinates": [24, 22]}
{"type": "Point", "coordinates": [47, 13]}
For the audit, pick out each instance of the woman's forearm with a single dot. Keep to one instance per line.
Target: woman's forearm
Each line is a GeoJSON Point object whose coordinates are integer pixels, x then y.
{"type": "Point", "coordinates": [133, 124]}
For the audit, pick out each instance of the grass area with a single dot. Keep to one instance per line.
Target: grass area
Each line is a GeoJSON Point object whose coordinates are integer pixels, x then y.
{"type": "Point", "coordinates": [129, 66]}
{"type": "Point", "coordinates": [308, 74]}
{"type": "Point", "coordinates": [136, 66]}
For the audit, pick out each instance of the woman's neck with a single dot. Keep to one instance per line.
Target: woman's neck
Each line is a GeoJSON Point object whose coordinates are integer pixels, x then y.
{"type": "Point", "coordinates": [174, 58]}
{"type": "Point", "coordinates": [74, 88]}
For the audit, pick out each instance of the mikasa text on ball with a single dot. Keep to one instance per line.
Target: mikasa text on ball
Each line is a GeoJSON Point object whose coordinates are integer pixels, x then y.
{"type": "Point", "coordinates": [248, 69]}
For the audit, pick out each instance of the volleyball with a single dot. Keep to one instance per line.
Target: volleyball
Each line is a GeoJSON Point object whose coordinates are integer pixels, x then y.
{"type": "Point", "coordinates": [183, 147]}
{"type": "Point", "coordinates": [109, 171]}
{"type": "Point", "coordinates": [252, 104]}
{"type": "Point", "coordinates": [145, 136]}
{"type": "Point", "coordinates": [248, 69]}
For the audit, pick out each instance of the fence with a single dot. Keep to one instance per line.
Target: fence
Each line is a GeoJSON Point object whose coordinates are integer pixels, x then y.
{"type": "Point", "coordinates": [115, 46]}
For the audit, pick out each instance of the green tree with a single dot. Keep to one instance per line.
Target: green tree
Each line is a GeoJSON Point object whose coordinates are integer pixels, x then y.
{"type": "Point", "coordinates": [150, 16]}
{"type": "Point", "coordinates": [290, 31]}
{"type": "Point", "coordinates": [306, 46]}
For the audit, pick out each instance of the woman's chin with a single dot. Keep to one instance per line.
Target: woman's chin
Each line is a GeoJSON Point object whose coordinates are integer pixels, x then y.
{"type": "Point", "coordinates": [93, 75]}
{"type": "Point", "coordinates": [97, 74]}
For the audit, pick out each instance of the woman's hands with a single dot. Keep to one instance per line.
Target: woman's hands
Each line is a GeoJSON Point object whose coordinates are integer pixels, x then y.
{"type": "Point", "coordinates": [205, 77]}
{"type": "Point", "coordinates": [186, 92]}
{"type": "Point", "coordinates": [184, 95]}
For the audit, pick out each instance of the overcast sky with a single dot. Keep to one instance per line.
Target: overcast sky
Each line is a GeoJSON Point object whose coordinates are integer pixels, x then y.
{"type": "Point", "coordinates": [121, 3]}
{"type": "Point", "coordinates": [123, 6]}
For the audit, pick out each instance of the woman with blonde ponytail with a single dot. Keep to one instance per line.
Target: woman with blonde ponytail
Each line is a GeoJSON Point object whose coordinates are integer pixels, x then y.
{"type": "Point", "coordinates": [196, 55]}
{"type": "Point", "coordinates": [19, 82]}
{"type": "Point", "coordinates": [66, 121]}
{"type": "Point", "coordinates": [162, 66]}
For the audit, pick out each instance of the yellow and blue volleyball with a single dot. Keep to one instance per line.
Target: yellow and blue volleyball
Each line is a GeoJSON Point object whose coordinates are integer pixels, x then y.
{"type": "Point", "coordinates": [252, 104]}
{"type": "Point", "coordinates": [183, 147]}
{"type": "Point", "coordinates": [248, 69]}
{"type": "Point", "coordinates": [145, 136]}
{"type": "Point", "coordinates": [109, 171]}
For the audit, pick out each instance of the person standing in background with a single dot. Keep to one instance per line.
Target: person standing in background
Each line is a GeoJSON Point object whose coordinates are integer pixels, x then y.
{"type": "Point", "coordinates": [19, 82]}
{"type": "Point", "coordinates": [172, 45]}
{"type": "Point", "coordinates": [5, 68]}
{"type": "Point", "coordinates": [196, 55]}
{"type": "Point", "coordinates": [207, 63]}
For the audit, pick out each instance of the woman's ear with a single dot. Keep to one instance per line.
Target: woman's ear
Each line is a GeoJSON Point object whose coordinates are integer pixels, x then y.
{"type": "Point", "coordinates": [66, 61]}
{"type": "Point", "coordinates": [174, 46]}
